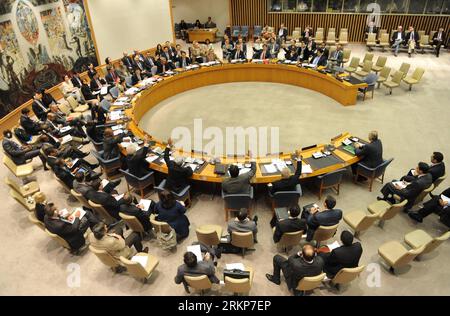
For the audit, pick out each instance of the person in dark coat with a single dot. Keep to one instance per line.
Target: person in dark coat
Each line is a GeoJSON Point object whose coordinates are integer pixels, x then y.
{"type": "Point", "coordinates": [129, 207]}
{"type": "Point", "coordinates": [173, 213]}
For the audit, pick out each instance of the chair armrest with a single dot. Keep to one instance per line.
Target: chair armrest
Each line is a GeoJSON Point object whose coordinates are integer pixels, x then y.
{"type": "Point", "coordinates": [298, 189]}
{"type": "Point", "coordinates": [147, 176]}
{"type": "Point", "coordinates": [365, 167]}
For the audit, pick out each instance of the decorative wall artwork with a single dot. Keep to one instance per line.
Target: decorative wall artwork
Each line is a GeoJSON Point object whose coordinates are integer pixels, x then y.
{"type": "Point", "coordinates": [41, 40]}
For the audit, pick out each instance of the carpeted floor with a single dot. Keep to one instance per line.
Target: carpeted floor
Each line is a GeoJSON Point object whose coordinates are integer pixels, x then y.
{"type": "Point", "coordinates": [411, 125]}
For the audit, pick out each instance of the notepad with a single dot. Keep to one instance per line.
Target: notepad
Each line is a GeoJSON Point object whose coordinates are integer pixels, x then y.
{"type": "Point", "coordinates": [270, 168]}
{"type": "Point", "coordinates": [244, 170]}
{"type": "Point", "coordinates": [333, 245]}
{"type": "Point", "coordinates": [197, 251]}
{"type": "Point", "coordinates": [445, 199]}
{"type": "Point", "coordinates": [401, 184]}
{"type": "Point", "coordinates": [235, 266]}
{"type": "Point", "coordinates": [115, 128]}
{"type": "Point", "coordinates": [306, 169]}
{"type": "Point", "coordinates": [104, 90]}
{"type": "Point", "coordinates": [119, 103]}
{"type": "Point", "coordinates": [151, 158]}
{"type": "Point", "coordinates": [142, 260]}
{"type": "Point", "coordinates": [66, 139]}
{"type": "Point", "coordinates": [145, 204]}
{"type": "Point", "coordinates": [347, 142]}
{"type": "Point", "coordinates": [77, 213]}
{"type": "Point", "coordinates": [65, 129]}
{"type": "Point", "coordinates": [118, 132]}
{"type": "Point", "coordinates": [318, 155]}
{"type": "Point", "coordinates": [192, 166]}
{"type": "Point", "coordinates": [118, 197]}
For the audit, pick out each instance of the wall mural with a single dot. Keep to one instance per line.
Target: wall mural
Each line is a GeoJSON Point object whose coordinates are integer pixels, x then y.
{"type": "Point", "coordinates": [40, 41]}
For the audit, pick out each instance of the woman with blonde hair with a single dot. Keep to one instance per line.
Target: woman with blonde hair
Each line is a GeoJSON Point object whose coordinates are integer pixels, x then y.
{"type": "Point", "coordinates": [41, 201]}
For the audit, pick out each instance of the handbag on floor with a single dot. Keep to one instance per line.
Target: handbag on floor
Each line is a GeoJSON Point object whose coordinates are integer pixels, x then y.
{"type": "Point", "coordinates": [167, 241]}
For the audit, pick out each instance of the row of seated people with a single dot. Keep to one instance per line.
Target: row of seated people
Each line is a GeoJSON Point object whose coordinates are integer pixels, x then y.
{"type": "Point", "coordinates": [411, 40]}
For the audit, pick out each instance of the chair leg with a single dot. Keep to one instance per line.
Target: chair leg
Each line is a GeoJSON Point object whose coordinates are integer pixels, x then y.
{"type": "Point", "coordinates": [381, 223]}
{"type": "Point", "coordinates": [370, 184]}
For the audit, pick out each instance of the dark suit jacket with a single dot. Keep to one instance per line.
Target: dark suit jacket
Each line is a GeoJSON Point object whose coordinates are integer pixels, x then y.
{"type": "Point", "coordinates": [135, 79]}
{"type": "Point", "coordinates": [322, 61]}
{"type": "Point", "coordinates": [178, 176]}
{"type": "Point", "coordinates": [297, 269]}
{"type": "Point", "coordinates": [240, 184]}
{"type": "Point", "coordinates": [285, 33]}
{"type": "Point", "coordinates": [149, 63]}
{"type": "Point", "coordinates": [91, 73]}
{"type": "Point", "coordinates": [137, 165]}
{"type": "Point", "coordinates": [68, 232]}
{"type": "Point", "coordinates": [240, 55]}
{"type": "Point", "coordinates": [111, 205]}
{"type": "Point", "coordinates": [288, 226]}
{"type": "Point", "coordinates": [339, 58]}
{"type": "Point", "coordinates": [187, 61]}
{"type": "Point", "coordinates": [394, 36]}
{"type": "Point", "coordinates": [76, 83]}
{"type": "Point", "coordinates": [110, 148]}
{"type": "Point", "coordinates": [372, 153]}
{"type": "Point", "coordinates": [64, 175]}
{"type": "Point", "coordinates": [289, 183]}
{"type": "Point", "coordinates": [258, 55]}
{"type": "Point", "coordinates": [437, 170]}
{"type": "Point", "coordinates": [169, 66]}
{"type": "Point", "coordinates": [443, 36]}
{"type": "Point", "coordinates": [94, 86]}
{"type": "Point", "coordinates": [175, 217]}
{"type": "Point", "coordinates": [94, 133]}
{"type": "Point", "coordinates": [128, 62]}
{"type": "Point", "coordinates": [110, 79]}
{"type": "Point", "coordinates": [342, 257]}
{"type": "Point", "coordinates": [374, 29]}
{"type": "Point", "coordinates": [324, 218]}
{"type": "Point", "coordinates": [132, 210]}
{"type": "Point", "coordinates": [14, 151]}
{"type": "Point", "coordinates": [29, 125]}
{"type": "Point", "coordinates": [202, 268]}
{"type": "Point", "coordinates": [416, 187]}
{"type": "Point", "coordinates": [40, 113]}
{"type": "Point", "coordinates": [306, 53]}
{"type": "Point", "coordinates": [416, 36]}
{"type": "Point", "coordinates": [87, 92]}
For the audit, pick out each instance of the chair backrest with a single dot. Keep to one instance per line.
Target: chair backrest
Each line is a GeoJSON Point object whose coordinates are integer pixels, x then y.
{"type": "Point", "coordinates": [331, 35]}
{"type": "Point", "coordinates": [201, 282]}
{"type": "Point", "coordinates": [384, 73]}
{"type": "Point", "coordinates": [343, 36]}
{"type": "Point", "coordinates": [439, 180]}
{"type": "Point", "coordinates": [421, 33]}
{"type": "Point", "coordinates": [424, 40]}
{"type": "Point", "coordinates": [105, 104]}
{"type": "Point", "coordinates": [408, 257]}
{"type": "Point", "coordinates": [80, 197]}
{"type": "Point", "coordinates": [207, 237]}
{"type": "Point", "coordinates": [332, 178]}
{"type": "Point", "coordinates": [12, 184]}
{"type": "Point", "coordinates": [63, 107]}
{"type": "Point", "coordinates": [423, 194]}
{"type": "Point", "coordinates": [101, 212]}
{"type": "Point", "coordinates": [244, 29]}
{"type": "Point", "coordinates": [134, 268]}
{"type": "Point", "coordinates": [237, 201]}
{"type": "Point", "coordinates": [324, 233]}
{"type": "Point", "coordinates": [296, 34]}
{"type": "Point", "coordinates": [59, 240]}
{"type": "Point", "coordinates": [382, 167]}
{"type": "Point", "coordinates": [34, 220]}
{"type": "Point", "coordinates": [106, 164]}
{"type": "Point", "coordinates": [436, 242]}
{"type": "Point", "coordinates": [344, 30]}
{"type": "Point", "coordinates": [431, 35]}
{"type": "Point", "coordinates": [319, 36]}
{"type": "Point", "coordinates": [404, 68]}
{"type": "Point", "coordinates": [347, 53]}
{"type": "Point", "coordinates": [310, 283]}
{"type": "Point", "coordinates": [331, 29]}
{"type": "Point", "coordinates": [354, 62]}
{"type": "Point", "coordinates": [132, 222]}
{"type": "Point", "coordinates": [319, 29]}
{"type": "Point", "coordinates": [384, 38]}
{"type": "Point", "coordinates": [393, 210]}
{"type": "Point", "coordinates": [129, 81]}
{"type": "Point", "coordinates": [131, 179]}
{"type": "Point", "coordinates": [368, 57]}
{"type": "Point", "coordinates": [418, 73]}
{"type": "Point", "coordinates": [371, 38]}
{"type": "Point", "coordinates": [332, 50]}
{"type": "Point", "coordinates": [291, 239]}
{"type": "Point", "coordinates": [347, 275]}
{"type": "Point", "coordinates": [298, 29]}
{"type": "Point", "coordinates": [72, 102]}
{"type": "Point", "coordinates": [257, 30]}
{"type": "Point", "coordinates": [397, 77]}
{"type": "Point", "coordinates": [366, 222]}
{"type": "Point", "coordinates": [160, 226]}
{"type": "Point", "coordinates": [237, 285]}
{"type": "Point", "coordinates": [242, 240]}
{"type": "Point", "coordinates": [381, 61]}
{"type": "Point", "coordinates": [104, 257]}
{"type": "Point", "coordinates": [29, 205]}
{"type": "Point", "coordinates": [9, 164]}
{"type": "Point", "coordinates": [367, 66]}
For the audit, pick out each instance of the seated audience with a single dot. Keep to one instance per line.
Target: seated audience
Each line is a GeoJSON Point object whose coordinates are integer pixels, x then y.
{"type": "Point", "coordinates": [68, 89]}
{"type": "Point", "coordinates": [39, 109]}
{"type": "Point", "coordinates": [122, 70]}
{"type": "Point", "coordinates": [128, 62]}
{"type": "Point", "coordinates": [412, 39]}
{"type": "Point", "coordinates": [183, 61]}
{"type": "Point", "coordinates": [296, 267]}
{"type": "Point", "coordinates": [316, 217]}
{"type": "Point", "coordinates": [438, 204]}
{"type": "Point", "coordinates": [398, 38]}
{"type": "Point", "coordinates": [172, 212]}
{"type": "Point", "coordinates": [112, 76]}
{"type": "Point", "coordinates": [41, 201]}
{"type": "Point", "coordinates": [110, 144]}
{"type": "Point", "coordinates": [90, 98]}
{"type": "Point", "coordinates": [243, 224]}
{"type": "Point", "coordinates": [19, 154]}
{"type": "Point", "coordinates": [263, 54]}
{"type": "Point", "coordinates": [63, 173]}
{"type": "Point", "coordinates": [237, 53]}
{"type": "Point", "coordinates": [30, 126]}
{"type": "Point", "coordinates": [289, 225]}
{"type": "Point", "coordinates": [164, 65]}
{"type": "Point", "coordinates": [210, 24]}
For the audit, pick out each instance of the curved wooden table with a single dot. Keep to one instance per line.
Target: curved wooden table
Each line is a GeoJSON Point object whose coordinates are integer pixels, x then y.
{"type": "Point", "coordinates": [343, 92]}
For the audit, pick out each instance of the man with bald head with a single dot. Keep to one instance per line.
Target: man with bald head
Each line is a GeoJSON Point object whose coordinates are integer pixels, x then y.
{"type": "Point", "coordinates": [137, 165]}
{"type": "Point", "coordinates": [296, 267]}
{"type": "Point", "coordinates": [287, 182]}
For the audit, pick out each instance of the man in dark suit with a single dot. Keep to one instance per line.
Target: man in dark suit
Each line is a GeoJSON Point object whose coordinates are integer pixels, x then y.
{"type": "Point", "coordinates": [307, 34]}
{"type": "Point", "coordinates": [18, 154]}
{"type": "Point", "coordinates": [398, 38]}
{"type": "Point", "coordinates": [140, 64]}
{"type": "Point", "coordinates": [303, 52]}
{"type": "Point", "coordinates": [110, 144]}
{"type": "Point", "coordinates": [263, 54]}
{"type": "Point", "coordinates": [346, 256]}
{"type": "Point", "coordinates": [296, 267]}
{"type": "Point", "coordinates": [131, 209]}
{"type": "Point", "coordinates": [409, 190]}
{"type": "Point", "coordinates": [109, 202]}
{"type": "Point", "coordinates": [437, 168]}
{"type": "Point", "coordinates": [338, 55]}
{"type": "Point", "coordinates": [178, 176]}
{"type": "Point", "coordinates": [136, 77]}
{"type": "Point", "coordinates": [372, 153]}
{"type": "Point", "coordinates": [192, 267]}
{"type": "Point", "coordinates": [128, 61]}
{"type": "Point", "coordinates": [439, 38]}
{"type": "Point", "coordinates": [289, 225]}
{"type": "Point", "coordinates": [238, 183]}
{"type": "Point", "coordinates": [94, 132]}
{"type": "Point", "coordinates": [437, 205]}
{"type": "Point", "coordinates": [184, 60]}
{"type": "Point", "coordinates": [97, 83]}
{"type": "Point", "coordinates": [167, 53]}
{"type": "Point", "coordinates": [320, 59]}
{"type": "Point", "coordinates": [112, 77]}
{"type": "Point", "coordinates": [137, 165]}
{"type": "Point", "coordinates": [237, 53]}
{"type": "Point", "coordinates": [316, 217]}
{"type": "Point", "coordinates": [39, 109]}
{"type": "Point", "coordinates": [287, 182]}
{"type": "Point", "coordinates": [30, 126]}
{"type": "Point", "coordinates": [412, 39]}
{"type": "Point", "coordinates": [76, 80]}
{"type": "Point", "coordinates": [150, 63]}
{"type": "Point", "coordinates": [164, 65]}
{"type": "Point", "coordinates": [63, 173]}
{"type": "Point", "coordinates": [282, 33]}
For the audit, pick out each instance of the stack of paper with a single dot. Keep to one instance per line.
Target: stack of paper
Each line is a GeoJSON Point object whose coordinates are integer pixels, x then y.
{"type": "Point", "coordinates": [197, 251]}
{"type": "Point", "coordinates": [142, 260]}
{"type": "Point", "coordinates": [151, 158]}
{"type": "Point", "coordinates": [347, 142]}
{"type": "Point", "coordinates": [66, 139]}
{"type": "Point", "coordinates": [244, 170]}
{"type": "Point", "coordinates": [115, 115]}
{"type": "Point", "coordinates": [65, 129]}
{"type": "Point", "coordinates": [318, 155]}
{"type": "Point", "coordinates": [257, 61]}
{"type": "Point", "coordinates": [104, 90]}
{"type": "Point", "coordinates": [270, 168]}
{"type": "Point", "coordinates": [306, 169]}
{"type": "Point", "coordinates": [118, 132]}
{"type": "Point", "coordinates": [400, 184]}
{"type": "Point", "coordinates": [280, 164]}
{"type": "Point", "coordinates": [123, 99]}
{"type": "Point", "coordinates": [235, 266]}
{"type": "Point", "coordinates": [192, 166]}
{"type": "Point", "coordinates": [132, 91]}
{"type": "Point", "coordinates": [445, 199]}
{"type": "Point", "coordinates": [119, 103]}
{"type": "Point", "coordinates": [145, 204]}
{"type": "Point", "coordinates": [333, 245]}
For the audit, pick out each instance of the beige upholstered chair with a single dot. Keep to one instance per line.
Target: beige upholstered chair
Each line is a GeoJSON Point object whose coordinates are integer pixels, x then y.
{"type": "Point", "coordinates": [383, 76]}
{"type": "Point", "coordinates": [76, 107]}
{"type": "Point", "coordinates": [385, 210]}
{"type": "Point", "coordinates": [360, 221]}
{"type": "Point", "coordinates": [34, 220]}
{"type": "Point", "coordinates": [371, 41]}
{"type": "Point", "coordinates": [242, 240]}
{"type": "Point", "coordinates": [28, 204]}
{"type": "Point", "coordinates": [381, 62]}
{"type": "Point", "coordinates": [353, 65]}
{"type": "Point", "coordinates": [384, 41]}
{"type": "Point", "coordinates": [296, 35]}
{"type": "Point", "coordinates": [319, 37]}
{"type": "Point", "coordinates": [209, 234]}
{"type": "Point", "coordinates": [240, 286]}
{"type": "Point", "coordinates": [25, 190]}
{"type": "Point", "coordinates": [419, 238]}
{"type": "Point", "coordinates": [424, 43]}
{"type": "Point", "coordinates": [396, 255]}
{"type": "Point", "coordinates": [367, 57]}
{"type": "Point", "coordinates": [346, 275]}
{"type": "Point", "coordinates": [310, 283]}
{"type": "Point", "coordinates": [404, 68]}
{"type": "Point", "coordinates": [65, 108]}
{"type": "Point", "coordinates": [366, 69]}
{"type": "Point", "coordinates": [439, 181]}
{"type": "Point", "coordinates": [331, 38]}
{"type": "Point", "coordinates": [423, 194]}
{"type": "Point", "coordinates": [80, 198]}
{"type": "Point", "coordinates": [343, 37]}
{"type": "Point", "coordinates": [159, 226]}
{"type": "Point", "coordinates": [323, 233]}
{"type": "Point", "coordinates": [346, 56]}
{"type": "Point", "coordinates": [62, 242]}
{"type": "Point", "coordinates": [101, 212]}
{"type": "Point", "coordinates": [133, 223]}
{"type": "Point", "coordinates": [200, 283]}
{"type": "Point", "coordinates": [137, 270]}
{"type": "Point", "coordinates": [394, 82]}
{"type": "Point", "coordinates": [106, 258]}
{"type": "Point", "coordinates": [20, 171]}
{"type": "Point", "coordinates": [415, 78]}
{"type": "Point", "coordinates": [291, 239]}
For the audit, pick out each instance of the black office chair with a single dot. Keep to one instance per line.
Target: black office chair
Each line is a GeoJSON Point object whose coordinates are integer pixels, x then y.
{"type": "Point", "coordinates": [111, 166]}
{"type": "Point", "coordinates": [286, 198]}
{"type": "Point", "coordinates": [372, 173]}
{"type": "Point", "coordinates": [138, 183]}
{"type": "Point", "coordinates": [329, 180]}
{"type": "Point", "coordinates": [235, 202]}
{"type": "Point", "coordinates": [184, 195]}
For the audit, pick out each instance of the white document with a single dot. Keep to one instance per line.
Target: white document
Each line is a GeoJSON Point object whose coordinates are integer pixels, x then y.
{"type": "Point", "coordinates": [104, 182]}
{"type": "Point", "coordinates": [189, 160]}
{"type": "Point", "coordinates": [142, 260]}
{"type": "Point", "coordinates": [318, 155]}
{"type": "Point", "coordinates": [413, 172]}
{"type": "Point", "coordinates": [306, 169]}
{"type": "Point", "coordinates": [119, 103]}
{"type": "Point", "coordinates": [122, 99]}
{"type": "Point", "coordinates": [118, 197]}
{"type": "Point", "coordinates": [401, 184]}
{"type": "Point", "coordinates": [445, 199]}
{"type": "Point", "coordinates": [104, 90]}
{"type": "Point", "coordinates": [65, 129]}
{"type": "Point", "coordinates": [257, 61]}
{"type": "Point", "coordinates": [115, 128]}
{"type": "Point", "coordinates": [151, 158]}
{"type": "Point", "coordinates": [74, 215]}
{"type": "Point", "coordinates": [158, 150]}
{"type": "Point", "coordinates": [145, 204]}
{"type": "Point", "coordinates": [347, 142]}
{"type": "Point", "coordinates": [196, 250]}
{"type": "Point", "coordinates": [118, 132]}
{"type": "Point", "coordinates": [270, 168]}
{"type": "Point", "coordinates": [233, 266]}
{"type": "Point", "coordinates": [193, 166]}
{"type": "Point", "coordinates": [66, 139]}
{"type": "Point", "coordinates": [244, 170]}
{"type": "Point", "coordinates": [334, 245]}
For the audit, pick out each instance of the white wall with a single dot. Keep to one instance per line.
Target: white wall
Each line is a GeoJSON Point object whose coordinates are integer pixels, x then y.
{"type": "Point", "coordinates": [191, 10]}
{"type": "Point", "coordinates": [125, 25]}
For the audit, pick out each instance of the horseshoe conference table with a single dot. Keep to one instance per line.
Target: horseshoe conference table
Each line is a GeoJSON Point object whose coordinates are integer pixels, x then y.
{"type": "Point", "coordinates": [343, 92]}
